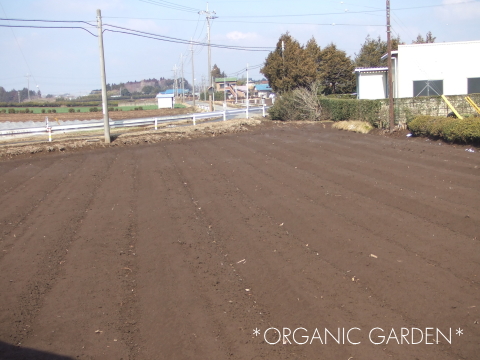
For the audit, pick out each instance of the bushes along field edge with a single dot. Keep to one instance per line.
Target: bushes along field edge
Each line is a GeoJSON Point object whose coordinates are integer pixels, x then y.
{"type": "Point", "coordinates": [465, 131]}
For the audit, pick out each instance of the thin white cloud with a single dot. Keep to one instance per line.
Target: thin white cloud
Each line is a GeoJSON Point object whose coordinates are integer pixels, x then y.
{"type": "Point", "coordinates": [459, 10]}
{"type": "Point", "coordinates": [238, 35]}
{"type": "Point", "coordinates": [79, 7]}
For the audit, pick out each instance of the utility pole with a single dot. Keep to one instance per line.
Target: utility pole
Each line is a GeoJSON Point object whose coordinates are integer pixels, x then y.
{"type": "Point", "coordinates": [209, 15]}
{"type": "Point", "coordinates": [175, 93]}
{"type": "Point", "coordinates": [391, 113]}
{"type": "Point", "coordinates": [106, 123]}
{"type": "Point", "coordinates": [248, 101]}
{"type": "Point", "coordinates": [183, 83]}
{"type": "Point", "coordinates": [28, 85]}
{"type": "Point", "coordinates": [193, 74]}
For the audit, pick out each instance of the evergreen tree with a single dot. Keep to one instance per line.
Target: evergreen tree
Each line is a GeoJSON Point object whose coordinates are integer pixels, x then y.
{"type": "Point", "coordinates": [372, 51]}
{"type": "Point", "coordinates": [428, 39]}
{"type": "Point", "coordinates": [336, 71]}
{"type": "Point", "coordinates": [216, 73]}
{"type": "Point", "coordinates": [291, 69]}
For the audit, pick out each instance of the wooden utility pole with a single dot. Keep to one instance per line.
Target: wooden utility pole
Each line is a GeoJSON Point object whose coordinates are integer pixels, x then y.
{"type": "Point", "coordinates": [391, 113]}
{"type": "Point", "coordinates": [106, 120]}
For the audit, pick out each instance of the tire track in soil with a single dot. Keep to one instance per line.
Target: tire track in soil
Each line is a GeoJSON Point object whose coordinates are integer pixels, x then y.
{"type": "Point", "coordinates": [100, 275]}
{"type": "Point", "coordinates": [204, 258]}
{"type": "Point", "coordinates": [458, 223]}
{"type": "Point", "coordinates": [38, 278]}
{"type": "Point", "coordinates": [417, 184]}
{"type": "Point", "coordinates": [352, 213]}
{"type": "Point", "coordinates": [263, 181]}
{"type": "Point", "coordinates": [130, 311]}
{"type": "Point", "coordinates": [353, 191]}
{"type": "Point", "coordinates": [273, 294]}
{"type": "Point", "coordinates": [173, 321]}
{"type": "Point", "coordinates": [33, 193]}
{"type": "Point", "coordinates": [14, 173]}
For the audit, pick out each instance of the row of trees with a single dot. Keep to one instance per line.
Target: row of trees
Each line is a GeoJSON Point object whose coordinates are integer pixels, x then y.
{"type": "Point", "coordinates": [299, 66]}
{"type": "Point", "coordinates": [17, 95]}
{"type": "Point", "coordinates": [292, 65]}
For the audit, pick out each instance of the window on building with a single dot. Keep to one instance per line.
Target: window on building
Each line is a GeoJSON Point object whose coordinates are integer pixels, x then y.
{"type": "Point", "coordinates": [474, 85]}
{"type": "Point", "coordinates": [427, 88]}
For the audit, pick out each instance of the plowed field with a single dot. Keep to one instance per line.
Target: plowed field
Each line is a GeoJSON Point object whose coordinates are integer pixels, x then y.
{"type": "Point", "coordinates": [180, 250]}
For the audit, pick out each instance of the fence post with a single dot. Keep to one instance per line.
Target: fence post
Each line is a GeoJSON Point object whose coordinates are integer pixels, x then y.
{"type": "Point", "coordinates": [194, 120]}
{"type": "Point", "coordinates": [49, 130]}
{"type": "Point", "coordinates": [224, 115]}
{"type": "Point", "coordinates": [156, 123]}
{"type": "Point", "coordinates": [263, 106]}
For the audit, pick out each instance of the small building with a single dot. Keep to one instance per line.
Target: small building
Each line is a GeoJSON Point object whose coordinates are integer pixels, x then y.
{"type": "Point", "coordinates": [166, 101]}
{"type": "Point", "coordinates": [221, 83]}
{"type": "Point", "coordinates": [425, 70]}
{"type": "Point", "coordinates": [263, 90]}
{"type": "Point", "coordinates": [372, 83]}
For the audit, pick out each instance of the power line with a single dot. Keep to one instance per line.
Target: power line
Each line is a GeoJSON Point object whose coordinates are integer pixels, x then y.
{"type": "Point", "coordinates": [349, 12]}
{"type": "Point", "coordinates": [139, 33]}
{"type": "Point", "coordinates": [48, 27]}
{"type": "Point", "coordinates": [171, 5]}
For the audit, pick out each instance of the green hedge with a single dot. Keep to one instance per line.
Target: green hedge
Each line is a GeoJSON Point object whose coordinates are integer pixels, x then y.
{"type": "Point", "coordinates": [449, 129]}
{"type": "Point", "coordinates": [351, 109]}
{"type": "Point", "coordinates": [332, 109]}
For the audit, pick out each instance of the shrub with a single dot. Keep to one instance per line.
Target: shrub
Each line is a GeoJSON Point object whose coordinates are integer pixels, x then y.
{"type": "Point", "coordinates": [54, 110]}
{"type": "Point", "coordinates": [140, 108]}
{"type": "Point", "coordinates": [49, 111]}
{"type": "Point", "coordinates": [43, 111]}
{"type": "Point", "coordinates": [71, 110]}
{"type": "Point", "coordinates": [3, 111]}
{"type": "Point", "coordinates": [27, 111]}
{"type": "Point", "coordinates": [351, 109]}
{"type": "Point", "coordinates": [449, 129]}
{"type": "Point", "coordinates": [355, 126]}
{"type": "Point", "coordinates": [94, 109]}
{"type": "Point", "coordinates": [11, 111]}
{"type": "Point", "coordinates": [78, 110]}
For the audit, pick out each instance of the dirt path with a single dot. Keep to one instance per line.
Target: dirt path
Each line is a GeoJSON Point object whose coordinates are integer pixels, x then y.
{"type": "Point", "coordinates": [179, 250]}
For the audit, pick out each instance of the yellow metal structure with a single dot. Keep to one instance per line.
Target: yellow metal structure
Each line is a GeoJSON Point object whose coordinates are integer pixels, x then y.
{"type": "Point", "coordinates": [472, 104]}
{"type": "Point", "coordinates": [451, 107]}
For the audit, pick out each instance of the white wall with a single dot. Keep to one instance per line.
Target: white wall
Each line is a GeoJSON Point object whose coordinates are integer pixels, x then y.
{"type": "Point", "coordinates": [451, 62]}
{"type": "Point", "coordinates": [165, 103]}
{"type": "Point", "coordinates": [372, 85]}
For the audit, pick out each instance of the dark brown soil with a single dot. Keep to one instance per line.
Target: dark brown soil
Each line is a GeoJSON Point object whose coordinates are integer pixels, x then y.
{"type": "Point", "coordinates": [180, 249]}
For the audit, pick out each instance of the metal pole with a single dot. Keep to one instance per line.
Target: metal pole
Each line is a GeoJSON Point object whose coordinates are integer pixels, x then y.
{"type": "Point", "coordinates": [209, 64]}
{"type": "Point", "coordinates": [183, 84]}
{"type": "Point", "coordinates": [248, 102]}
{"type": "Point", "coordinates": [193, 76]}
{"type": "Point", "coordinates": [104, 79]}
{"type": "Point", "coordinates": [209, 15]}
{"type": "Point", "coordinates": [391, 114]}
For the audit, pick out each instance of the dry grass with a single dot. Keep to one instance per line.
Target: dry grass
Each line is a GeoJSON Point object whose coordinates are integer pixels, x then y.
{"type": "Point", "coordinates": [355, 126]}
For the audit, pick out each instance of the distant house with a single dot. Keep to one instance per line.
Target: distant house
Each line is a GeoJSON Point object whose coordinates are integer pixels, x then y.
{"type": "Point", "coordinates": [263, 90]}
{"type": "Point", "coordinates": [425, 70]}
{"type": "Point", "coordinates": [178, 91]}
{"type": "Point", "coordinates": [227, 82]}
{"type": "Point", "coordinates": [165, 101]}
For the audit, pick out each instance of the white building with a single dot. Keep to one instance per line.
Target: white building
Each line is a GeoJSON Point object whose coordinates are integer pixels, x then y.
{"type": "Point", "coordinates": [165, 101]}
{"type": "Point", "coordinates": [424, 70]}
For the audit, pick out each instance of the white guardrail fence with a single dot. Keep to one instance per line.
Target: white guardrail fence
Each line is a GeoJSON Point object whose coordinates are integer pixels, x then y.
{"type": "Point", "coordinates": [51, 129]}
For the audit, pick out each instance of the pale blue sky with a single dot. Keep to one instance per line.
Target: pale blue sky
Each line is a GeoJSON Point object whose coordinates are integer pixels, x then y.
{"type": "Point", "coordinates": [67, 60]}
